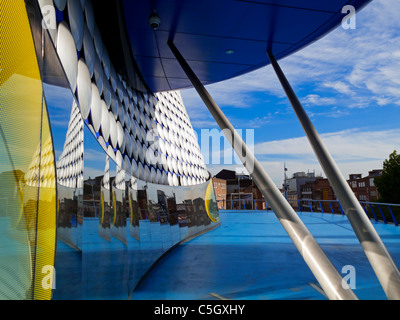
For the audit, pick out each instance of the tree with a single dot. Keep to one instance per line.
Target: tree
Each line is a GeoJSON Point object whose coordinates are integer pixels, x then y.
{"type": "Point", "coordinates": [388, 183]}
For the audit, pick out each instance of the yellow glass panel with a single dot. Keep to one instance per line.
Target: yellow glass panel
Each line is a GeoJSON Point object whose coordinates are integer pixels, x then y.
{"type": "Point", "coordinates": [46, 220]}
{"type": "Point", "coordinates": [211, 203]}
{"type": "Point", "coordinates": [27, 216]}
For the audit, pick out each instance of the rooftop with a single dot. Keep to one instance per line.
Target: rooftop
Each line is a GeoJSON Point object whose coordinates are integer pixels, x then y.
{"type": "Point", "coordinates": [250, 256]}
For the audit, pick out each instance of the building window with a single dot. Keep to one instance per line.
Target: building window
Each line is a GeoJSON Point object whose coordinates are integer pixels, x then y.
{"type": "Point", "coordinates": [371, 182]}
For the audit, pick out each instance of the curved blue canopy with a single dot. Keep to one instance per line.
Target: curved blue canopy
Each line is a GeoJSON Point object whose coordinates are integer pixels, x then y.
{"type": "Point", "coordinates": [221, 39]}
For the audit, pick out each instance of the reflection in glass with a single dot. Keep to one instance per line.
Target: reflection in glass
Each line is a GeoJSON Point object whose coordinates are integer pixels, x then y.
{"type": "Point", "coordinates": [27, 202]}
{"type": "Point", "coordinates": [111, 226]}
{"type": "Point", "coordinates": [120, 209]}
{"type": "Point", "coordinates": [70, 180]}
{"type": "Point", "coordinates": [105, 207]}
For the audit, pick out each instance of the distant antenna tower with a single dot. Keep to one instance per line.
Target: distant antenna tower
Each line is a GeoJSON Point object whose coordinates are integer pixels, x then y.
{"type": "Point", "coordinates": [285, 186]}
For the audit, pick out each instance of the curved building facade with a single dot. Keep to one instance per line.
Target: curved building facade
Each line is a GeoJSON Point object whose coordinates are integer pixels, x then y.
{"type": "Point", "coordinates": [99, 176]}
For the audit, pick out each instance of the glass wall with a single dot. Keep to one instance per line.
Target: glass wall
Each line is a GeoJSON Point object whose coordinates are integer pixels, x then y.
{"type": "Point", "coordinates": [27, 169]}
{"type": "Point", "coordinates": [77, 223]}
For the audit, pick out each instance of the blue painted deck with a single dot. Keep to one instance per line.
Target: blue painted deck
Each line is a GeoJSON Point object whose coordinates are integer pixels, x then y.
{"type": "Point", "coordinates": [250, 256]}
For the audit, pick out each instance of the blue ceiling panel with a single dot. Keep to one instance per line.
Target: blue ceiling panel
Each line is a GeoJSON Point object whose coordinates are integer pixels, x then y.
{"type": "Point", "coordinates": [206, 71]}
{"type": "Point", "coordinates": [213, 49]}
{"type": "Point", "coordinates": [151, 67]}
{"type": "Point", "coordinates": [181, 83]}
{"type": "Point", "coordinates": [204, 30]}
{"type": "Point", "coordinates": [157, 82]}
{"type": "Point", "coordinates": [317, 5]}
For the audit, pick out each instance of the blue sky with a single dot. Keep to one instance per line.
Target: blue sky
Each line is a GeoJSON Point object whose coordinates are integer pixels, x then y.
{"type": "Point", "coordinates": [348, 82]}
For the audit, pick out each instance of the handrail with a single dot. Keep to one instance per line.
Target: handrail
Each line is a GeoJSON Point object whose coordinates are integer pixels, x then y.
{"type": "Point", "coordinates": [306, 205]}
{"type": "Point", "coordinates": [319, 264]}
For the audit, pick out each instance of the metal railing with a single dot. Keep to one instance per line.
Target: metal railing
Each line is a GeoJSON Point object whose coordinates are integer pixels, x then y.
{"type": "Point", "coordinates": [378, 211]}
{"type": "Point", "coordinates": [242, 204]}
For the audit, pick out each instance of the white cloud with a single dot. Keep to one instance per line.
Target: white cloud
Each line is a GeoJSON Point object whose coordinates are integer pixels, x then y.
{"type": "Point", "coordinates": [354, 151]}
{"type": "Point", "coordinates": [317, 100]}
{"type": "Point", "coordinates": [339, 86]}
{"type": "Point", "coordinates": [362, 64]}
{"type": "Point", "coordinates": [93, 172]}
{"type": "Point", "coordinates": [95, 155]}
{"type": "Point", "coordinates": [359, 67]}
{"type": "Point", "coordinates": [259, 122]}
{"type": "Point", "coordinates": [344, 145]}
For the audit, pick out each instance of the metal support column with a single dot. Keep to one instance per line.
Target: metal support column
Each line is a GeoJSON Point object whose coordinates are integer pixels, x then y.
{"type": "Point", "coordinates": [378, 256]}
{"type": "Point", "coordinates": [322, 268]}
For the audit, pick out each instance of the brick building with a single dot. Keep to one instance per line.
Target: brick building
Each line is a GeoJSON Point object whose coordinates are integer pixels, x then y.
{"type": "Point", "coordinates": [220, 192]}
{"type": "Point", "coordinates": [320, 190]}
{"type": "Point", "coordinates": [237, 191]}
{"type": "Point", "coordinates": [364, 187]}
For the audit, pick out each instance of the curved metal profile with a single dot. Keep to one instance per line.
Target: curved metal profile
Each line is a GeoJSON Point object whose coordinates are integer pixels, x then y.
{"type": "Point", "coordinates": [376, 252]}
{"type": "Point", "coordinates": [322, 268]}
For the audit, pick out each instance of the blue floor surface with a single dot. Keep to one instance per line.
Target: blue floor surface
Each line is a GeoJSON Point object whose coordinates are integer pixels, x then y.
{"type": "Point", "coordinates": [251, 257]}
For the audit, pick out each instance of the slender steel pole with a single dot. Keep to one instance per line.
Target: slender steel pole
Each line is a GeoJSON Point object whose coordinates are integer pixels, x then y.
{"type": "Point", "coordinates": [322, 268]}
{"type": "Point", "coordinates": [376, 252]}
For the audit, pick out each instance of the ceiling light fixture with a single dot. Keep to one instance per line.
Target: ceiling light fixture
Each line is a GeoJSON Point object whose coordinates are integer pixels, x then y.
{"type": "Point", "coordinates": [154, 20]}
